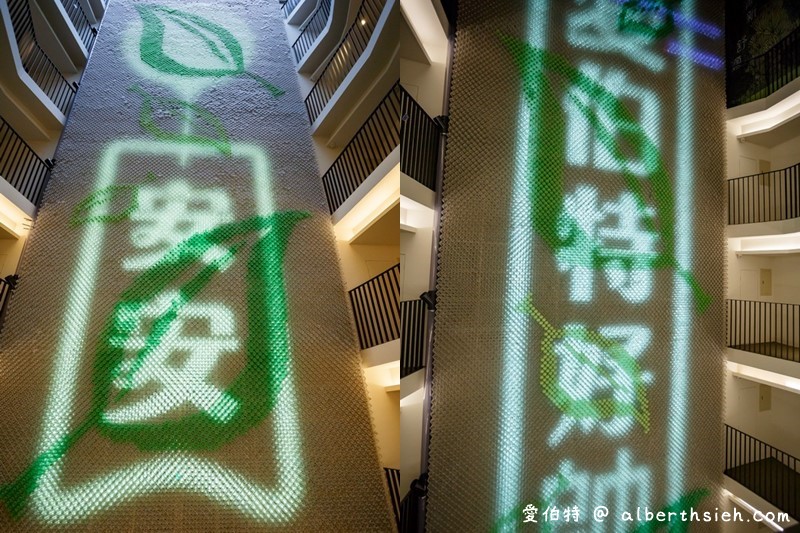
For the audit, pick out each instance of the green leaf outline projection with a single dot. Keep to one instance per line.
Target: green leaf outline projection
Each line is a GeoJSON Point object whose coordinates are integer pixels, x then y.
{"type": "Point", "coordinates": [152, 45]}
{"type": "Point", "coordinates": [547, 153]}
{"type": "Point", "coordinates": [221, 142]}
{"type": "Point", "coordinates": [105, 195]}
{"type": "Point", "coordinates": [267, 347]}
{"type": "Point", "coordinates": [596, 409]}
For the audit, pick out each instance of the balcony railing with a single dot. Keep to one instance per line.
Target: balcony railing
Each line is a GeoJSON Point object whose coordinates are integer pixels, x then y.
{"type": "Point", "coordinates": [377, 137]}
{"type": "Point", "coordinates": [765, 328]}
{"type": "Point", "coordinates": [35, 61]}
{"type": "Point", "coordinates": [763, 75]}
{"type": "Point", "coordinates": [77, 15]}
{"type": "Point", "coordinates": [312, 29]}
{"type": "Point", "coordinates": [376, 308]}
{"type": "Point", "coordinates": [21, 166]}
{"type": "Point", "coordinates": [288, 7]}
{"type": "Point", "coordinates": [350, 49]}
{"type": "Point", "coordinates": [765, 197]}
{"type": "Point", "coordinates": [765, 470]}
{"type": "Point", "coordinates": [412, 508]}
{"type": "Point", "coordinates": [419, 143]}
{"type": "Point", "coordinates": [413, 320]}
{"type": "Point", "coordinates": [7, 286]}
{"type": "Point", "coordinates": [392, 476]}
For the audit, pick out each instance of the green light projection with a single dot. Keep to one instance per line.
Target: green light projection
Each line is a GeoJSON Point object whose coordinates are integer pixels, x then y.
{"type": "Point", "coordinates": [602, 198]}
{"type": "Point", "coordinates": [178, 370]}
{"type": "Point", "coordinates": [219, 44]}
{"type": "Point", "coordinates": [551, 221]}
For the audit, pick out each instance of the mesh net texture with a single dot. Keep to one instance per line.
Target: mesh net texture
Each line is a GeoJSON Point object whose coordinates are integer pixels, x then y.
{"type": "Point", "coordinates": [178, 355]}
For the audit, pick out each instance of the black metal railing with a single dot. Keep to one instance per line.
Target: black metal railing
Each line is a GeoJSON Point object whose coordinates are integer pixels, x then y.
{"type": "Point", "coordinates": [288, 7]}
{"type": "Point", "coordinates": [764, 74]}
{"type": "Point", "coordinates": [765, 197]}
{"type": "Point", "coordinates": [345, 57]}
{"type": "Point", "coordinates": [419, 143]}
{"type": "Point", "coordinates": [80, 21]}
{"type": "Point", "coordinates": [7, 286]}
{"type": "Point", "coordinates": [765, 470]}
{"type": "Point", "coordinates": [376, 308]}
{"type": "Point", "coordinates": [392, 476]}
{"type": "Point", "coordinates": [377, 137]}
{"type": "Point", "coordinates": [765, 328]}
{"type": "Point", "coordinates": [413, 321]}
{"type": "Point", "coordinates": [35, 61]}
{"type": "Point", "coordinates": [20, 165]}
{"type": "Point", "coordinates": [312, 29]}
{"type": "Point", "coordinates": [412, 508]}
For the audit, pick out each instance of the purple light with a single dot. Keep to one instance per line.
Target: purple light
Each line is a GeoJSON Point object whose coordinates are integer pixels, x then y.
{"type": "Point", "coordinates": [698, 56]}
{"type": "Point", "coordinates": [681, 20]}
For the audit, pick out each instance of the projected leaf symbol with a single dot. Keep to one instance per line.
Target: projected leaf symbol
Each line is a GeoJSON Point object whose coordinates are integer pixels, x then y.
{"type": "Point", "coordinates": [618, 369]}
{"type": "Point", "coordinates": [548, 159]}
{"type": "Point", "coordinates": [215, 45]}
{"type": "Point", "coordinates": [188, 114]}
{"type": "Point", "coordinates": [125, 194]}
{"type": "Point", "coordinates": [268, 353]}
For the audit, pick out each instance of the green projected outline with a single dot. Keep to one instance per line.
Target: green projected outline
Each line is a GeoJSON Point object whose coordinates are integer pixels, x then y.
{"type": "Point", "coordinates": [56, 503]}
{"type": "Point", "coordinates": [533, 65]}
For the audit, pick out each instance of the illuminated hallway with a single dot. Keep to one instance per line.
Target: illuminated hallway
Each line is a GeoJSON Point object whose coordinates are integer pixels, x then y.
{"type": "Point", "coordinates": [178, 354]}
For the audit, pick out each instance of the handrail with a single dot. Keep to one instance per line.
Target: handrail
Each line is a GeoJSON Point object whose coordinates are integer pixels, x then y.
{"type": "Point", "coordinates": [765, 197]}
{"type": "Point", "coordinates": [345, 57]}
{"type": "Point", "coordinates": [80, 21]}
{"type": "Point", "coordinates": [288, 6]}
{"type": "Point", "coordinates": [372, 143]}
{"type": "Point", "coordinates": [745, 458]}
{"type": "Point", "coordinates": [764, 74]}
{"type": "Point", "coordinates": [413, 320]}
{"type": "Point", "coordinates": [766, 328]}
{"type": "Point", "coordinates": [20, 165]}
{"type": "Point", "coordinates": [34, 59]}
{"type": "Point", "coordinates": [419, 141]}
{"type": "Point", "coordinates": [376, 308]}
{"type": "Point", "coordinates": [413, 506]}
{"type": "Point", "coordinates": [312, 29]}
{"type": "Point", "coordinates": [7, 286]}
{"type": "Point", "coordinates": [393, 483]}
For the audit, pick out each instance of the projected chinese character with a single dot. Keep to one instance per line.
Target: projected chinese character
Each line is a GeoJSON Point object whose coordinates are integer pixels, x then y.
{"type": "Point", "coordinates": [177, 372]}
{"type": "Point", "coordinates": [595, 27]}
{"type": "Point", "coordinates": [600, 387]}
{"type": "Point", "coordinates": [627, 486]}
{"type": "Point", "coordinates": [167, 215]}
{"type": "Point", "coordinates": [607, 237]}
{"type": "Point", "coordinates": [586, 147]}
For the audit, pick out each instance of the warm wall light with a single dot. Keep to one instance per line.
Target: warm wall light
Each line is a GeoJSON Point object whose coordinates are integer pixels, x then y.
{"type": "Point", "coordinates": [773, 244]}
{"type": "Point", "coordinates": [766, 377]}
{"type": "Point", "coordinates": [386, 375]}
{"type": "Point", "coordinates": [384, 196]}
{"type": "Point", "coordinates": [363, 21]}
{"type": "Point", "coordinates": [414, 215]}
{"type": "Point", "coordinates": [12, 219]}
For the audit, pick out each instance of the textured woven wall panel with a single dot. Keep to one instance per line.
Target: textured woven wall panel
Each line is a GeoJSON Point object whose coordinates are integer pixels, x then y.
{"type": "Point", "coordinates": [155, 383]}
{"type": "Point", "coordinates": [578, 354]}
